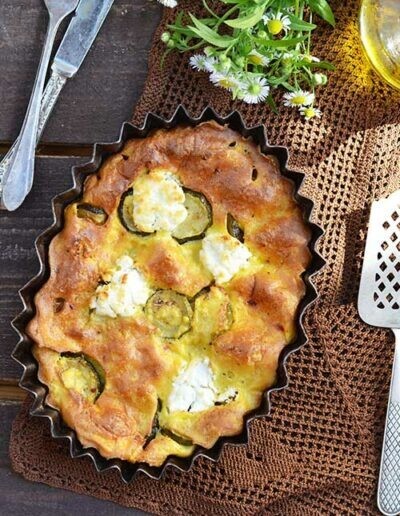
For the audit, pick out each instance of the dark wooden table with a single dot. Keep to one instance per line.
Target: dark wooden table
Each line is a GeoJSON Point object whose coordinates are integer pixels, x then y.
{"type": "Point", "coordinates": [91, 108]}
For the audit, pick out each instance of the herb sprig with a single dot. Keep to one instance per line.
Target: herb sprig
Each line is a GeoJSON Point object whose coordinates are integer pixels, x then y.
{"type": "Point", "coordinates": [251, 47]}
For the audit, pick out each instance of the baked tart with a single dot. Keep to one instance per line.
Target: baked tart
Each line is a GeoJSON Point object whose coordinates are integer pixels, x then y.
{"type": "Point", "coordinates": [174, 286]}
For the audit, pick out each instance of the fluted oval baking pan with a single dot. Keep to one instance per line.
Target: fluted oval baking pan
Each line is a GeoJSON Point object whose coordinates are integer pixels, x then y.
{"type": "Point", "coordinates": [23, 354]}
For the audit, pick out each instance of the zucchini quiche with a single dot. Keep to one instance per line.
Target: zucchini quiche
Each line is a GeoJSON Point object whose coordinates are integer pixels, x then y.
{"type": "Point", "coordinates": [174, 286]}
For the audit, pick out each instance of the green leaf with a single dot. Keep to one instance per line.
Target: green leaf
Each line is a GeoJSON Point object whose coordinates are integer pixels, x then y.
{"type": "Point", "coordinates": [180, 30]}
{"type": "Point", "coordinates": [280, 43]}
{"type": "Point", "coordinates": [210, 11]}
{"type": "Point", "coordinates": [324, 65]}
{"type": "Point", "coordinates": [243, 24]}
{"type": "Point", "coordinates": [322, 8]}
{"type": "Point", "coordinates": [209, 35]}
{"type": "Point", "coordinates": [272, 104]}
{"type": "Point", "coordinates": [242, 2]}
{"type": "Point", "coordinates": [297, 23]}
{"type": "Point", "coordinates": [279, 81]}
{"type": "Point", "coordinates": [248, 21]}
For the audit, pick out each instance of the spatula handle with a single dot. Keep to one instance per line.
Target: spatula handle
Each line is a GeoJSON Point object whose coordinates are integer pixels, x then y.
{"type": "Point", "coordinates": [389, 476]}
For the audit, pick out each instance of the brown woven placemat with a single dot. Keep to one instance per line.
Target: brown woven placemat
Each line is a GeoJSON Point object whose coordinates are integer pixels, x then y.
{"type": "Point", "coordinates": [318, 452]}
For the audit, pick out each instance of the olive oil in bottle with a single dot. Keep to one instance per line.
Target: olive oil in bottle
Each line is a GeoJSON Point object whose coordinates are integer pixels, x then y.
{"type": "Point", "coordinates": [380, 36]}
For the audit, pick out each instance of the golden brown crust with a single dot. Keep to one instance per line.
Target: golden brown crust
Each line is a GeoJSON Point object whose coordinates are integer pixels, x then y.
{"type": "Point", "coordinates": [140, 365]}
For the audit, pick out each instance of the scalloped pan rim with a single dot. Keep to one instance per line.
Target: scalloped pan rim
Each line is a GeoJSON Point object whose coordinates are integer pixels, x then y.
{"type": "Point", "coordinates": [22, 352]}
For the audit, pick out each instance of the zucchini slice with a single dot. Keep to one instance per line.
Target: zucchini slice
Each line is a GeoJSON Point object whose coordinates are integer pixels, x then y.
{"type": "Point", "coordinates": [213, 313]}
{"type": "Point", "coordinates": [234, 228]}
{"type": "Point", "coordinates": [92, 213]}
{"type": "Point", "coordinates": [175, 437]}
{"type": "Point", "coordinates": [125, 213]}
{"type": "Point", "coordinates": [164, 431]}
{"type": "Point", "coordinates": [155, 426]}
{"type": "Point", "coordinates": [83, 374]}
{"type": "Point", "coordinates": [198, 220]}
{"type": "Point", "coordinates": [170, 312]}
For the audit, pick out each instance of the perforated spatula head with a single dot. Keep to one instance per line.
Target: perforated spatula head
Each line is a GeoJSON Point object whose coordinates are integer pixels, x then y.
{"type": "Point", "coordinates": [379, 294]}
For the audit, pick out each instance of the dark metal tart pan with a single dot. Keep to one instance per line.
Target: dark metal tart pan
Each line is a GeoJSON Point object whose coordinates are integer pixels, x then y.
{"type": "Point", "coordinates": [23, 354]}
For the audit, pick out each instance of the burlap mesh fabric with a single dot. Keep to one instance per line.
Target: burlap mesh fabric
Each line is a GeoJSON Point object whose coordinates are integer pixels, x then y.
{"type": "Point", "coordinates": [318, 452]}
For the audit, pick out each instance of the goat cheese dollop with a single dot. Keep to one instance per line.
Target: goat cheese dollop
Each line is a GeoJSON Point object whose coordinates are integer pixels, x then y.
{"type": "Point", "coordinates": [158, 202]}
{"type": "Point", "coordinates": [224, 256]}
{"type": "Point", "coordinates": [194, 390]}
{"type": "Point", "coordinates": [124, 291]}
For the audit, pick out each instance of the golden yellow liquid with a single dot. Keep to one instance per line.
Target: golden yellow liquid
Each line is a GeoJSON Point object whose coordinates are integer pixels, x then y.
{"type": "Point", "coordinates": [380, 36]}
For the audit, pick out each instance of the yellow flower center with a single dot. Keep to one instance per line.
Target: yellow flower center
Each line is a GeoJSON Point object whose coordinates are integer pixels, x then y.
{"type": "Point", "coordinates": [254, 89]}
{"type": "Point", "coordinates": [274, 26]}
{"type": "Point", "coordinates": [298, 100]}
{"type": "Point", "coordinates": [309, 113]}
{"type": "Point", "coordinates": [226, 82]}
{"type": "Point", "coordinates": [254, 59]}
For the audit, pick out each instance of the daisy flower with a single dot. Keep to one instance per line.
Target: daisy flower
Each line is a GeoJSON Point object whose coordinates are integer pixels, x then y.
{"type": "Point", "coordinates": [310, 112]}
{"type": "Point", "coordinates": [202, 63]}
{"type": "Point", "coordinates": [276, 22]}
{"type": "Point", "coordinates": [298, 98]}
{"type": "Point", "coordinates": [169, 3]}
{"type": "Point", "coordinates": [224, 80]}
{"type": "Point", "coordinates": [254, 90]}
{"type": "Point", "coordinates": [210, 63]}
{"type": "Point", "coordinates": [256, 58]}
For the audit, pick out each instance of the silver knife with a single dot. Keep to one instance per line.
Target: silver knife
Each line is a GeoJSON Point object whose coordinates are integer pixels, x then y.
{"type": "Point", "coordinates": [78, 39]}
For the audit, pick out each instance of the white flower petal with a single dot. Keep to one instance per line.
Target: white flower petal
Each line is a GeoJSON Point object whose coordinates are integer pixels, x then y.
{"type": "Point", "coordinates": [225, 80]}
{"type": "Point", "coordinates": [277, 16]}
{"type": "Point", "coordinates": [254, 90]}
{"type": "Point", "coordinates": [310, 112]}
{"type": "Point", "coordinates": [209, 63]}
{"type": "Point", "coordinates": [298, 98]}
{"type": "Point", "coordinates": [258, 59]}
{"type": "Point", "coordinates": [169, 3]}
{"type": "Point", "coordinates": [197, 61]}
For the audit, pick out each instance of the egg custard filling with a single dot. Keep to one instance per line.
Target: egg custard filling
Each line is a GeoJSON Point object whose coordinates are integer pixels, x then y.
{"type": "Point", "coordinates": [174, 286]}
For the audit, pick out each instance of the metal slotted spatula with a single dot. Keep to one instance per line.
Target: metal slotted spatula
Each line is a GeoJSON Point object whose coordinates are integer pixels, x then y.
{"type": "Point", "coordinates": [379, 305]}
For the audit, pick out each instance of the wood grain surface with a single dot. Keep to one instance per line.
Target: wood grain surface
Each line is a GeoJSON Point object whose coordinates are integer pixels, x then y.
{"type": "Point", "coordinates": [18, 261]}
{"type": "Point", "coordinates": [91, 108]}
{"type": "Point", "coordinates": [101, 96]}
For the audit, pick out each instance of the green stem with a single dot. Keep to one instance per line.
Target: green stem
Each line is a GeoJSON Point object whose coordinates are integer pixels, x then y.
{"type": "Point", "coordinates": [208, 9]}
{"type": "Point", "coordinates": [291, 73]}
{"type": "Point", "coordinates": [309, 36]}
{"type": "Point", "coordinates": [226, 15]}
{"type": "Point", "coordinates": [194, 47]}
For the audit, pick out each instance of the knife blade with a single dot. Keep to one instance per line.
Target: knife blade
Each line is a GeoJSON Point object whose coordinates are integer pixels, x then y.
{"type": "Point", "coordinates": [78, 38]}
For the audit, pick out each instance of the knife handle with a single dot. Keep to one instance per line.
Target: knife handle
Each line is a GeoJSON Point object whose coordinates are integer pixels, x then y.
{"type": "Point", "coordinates": [389, 475]}
{"type": "Point", "coordinates": [53, 89]}
{"type": "Point", "coordinates": [50, 96]}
